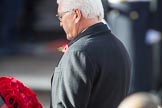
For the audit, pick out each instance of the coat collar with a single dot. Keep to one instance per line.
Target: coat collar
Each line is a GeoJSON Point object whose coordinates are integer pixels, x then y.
{"type": "Point", "coordinates": [96, 28]}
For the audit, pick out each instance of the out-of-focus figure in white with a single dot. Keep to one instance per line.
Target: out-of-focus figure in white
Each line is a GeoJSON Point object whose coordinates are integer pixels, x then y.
{"type": "Point", "coordinates": [141, 100]}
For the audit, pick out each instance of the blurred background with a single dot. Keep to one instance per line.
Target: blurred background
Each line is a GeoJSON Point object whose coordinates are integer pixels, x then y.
{"type": "Point", "coordinates": [30, 35]}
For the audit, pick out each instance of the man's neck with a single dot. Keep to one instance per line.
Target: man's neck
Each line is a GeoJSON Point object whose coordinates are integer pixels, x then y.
{"type": "Point", "coordinates": [86, 23]}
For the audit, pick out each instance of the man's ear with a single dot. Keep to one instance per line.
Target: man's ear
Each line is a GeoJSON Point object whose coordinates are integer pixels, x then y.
{"type": "Point", "coordinates": [77, 15]}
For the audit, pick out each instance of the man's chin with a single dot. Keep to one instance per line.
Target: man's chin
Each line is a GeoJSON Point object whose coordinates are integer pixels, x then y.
{"type": "Point", "coordinates": [69, 37]}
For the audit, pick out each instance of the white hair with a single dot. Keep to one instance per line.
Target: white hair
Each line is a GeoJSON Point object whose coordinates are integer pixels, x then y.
{"type": "Point", "coordinates": [89, 8]}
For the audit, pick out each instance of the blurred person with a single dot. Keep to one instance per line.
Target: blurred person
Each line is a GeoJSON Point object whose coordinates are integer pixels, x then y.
{"type": "Point", "coordinates": [94, 71]}
{"type": "Point", "coordinates": [130, 21]}
{"type": "Point", "coordinates": [106, 8]}
{"type": "Point", "coordinates": [10, 11]}
{"type": "Point", "coordinates": [156, 27]}
{"type": "Point", "coordinates": [28, 19]}
{"type": "Point", "coordinates": [141, 100]}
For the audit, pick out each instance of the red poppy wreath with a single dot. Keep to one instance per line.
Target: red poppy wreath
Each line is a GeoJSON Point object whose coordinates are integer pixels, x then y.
{"type": "Point", "coordinates": [14, 94]}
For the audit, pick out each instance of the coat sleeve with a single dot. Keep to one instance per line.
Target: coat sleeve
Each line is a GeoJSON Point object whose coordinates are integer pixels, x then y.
{"type": "Point", "coordinates": [76, 80]}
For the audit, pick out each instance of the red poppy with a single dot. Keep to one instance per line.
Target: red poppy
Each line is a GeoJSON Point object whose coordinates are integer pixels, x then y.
{"type": "Point", "coordinates": [63, 48]}
{"type": "Point", "coordinates": [4, 106]}
{"type": "Point", "coordinates": [16, 95]}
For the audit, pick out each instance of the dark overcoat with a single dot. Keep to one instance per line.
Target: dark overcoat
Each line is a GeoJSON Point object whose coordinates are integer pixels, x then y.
{"type": "Point", "coordinates": [93, 73]}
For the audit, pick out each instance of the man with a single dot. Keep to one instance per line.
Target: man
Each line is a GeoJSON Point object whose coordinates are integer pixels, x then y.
{"type": "Point", "coordinates": [94, 72]}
